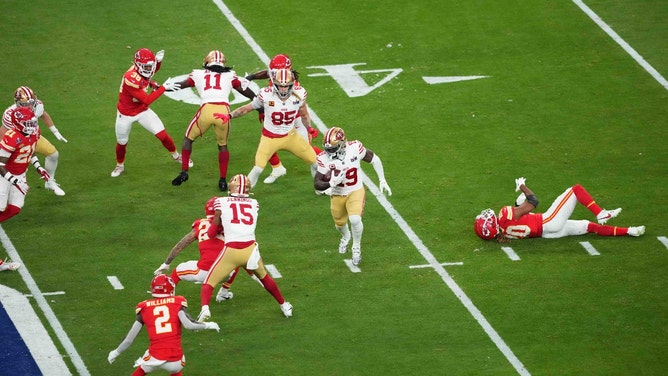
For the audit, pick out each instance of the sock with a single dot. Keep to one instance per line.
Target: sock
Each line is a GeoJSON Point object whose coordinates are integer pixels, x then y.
{"type": "Point", "coordinates": [271, 286]}
{"type": "Point", "coordinates": [167, 141]}
{"type": "Point", "coordinates": [274, 160]}
{"type": "Point", "coordinates": [223, 162]}
{"type": "Point", "coordinates": [175, 277]}
{"type": "Point", "coordinates": [227, 284]}
{"type": "Point", "coordinates": [138, 372]}
{"type": "Point", "coordinates": [604, 230]}
{"type": "Point", "coordinates": [50, 164]}
{"type": "Point", "coordinates": [343, 230]}
{"type": "Point", "coordinates": [185, 159]}
{"type": "Point", "coordinates": [206, 293]}
{"type": "Point", "coordinates": [9, 212]}
{"type": "Point", "coordinates": [120, 153]}
{"type": "Point", "coordinates": [585, 199]}
{"type": "Point", "coordinates": [357, 227]}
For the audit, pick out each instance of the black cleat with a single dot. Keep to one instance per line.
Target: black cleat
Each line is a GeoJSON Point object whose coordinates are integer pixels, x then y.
{"type": "Point", "coordinates": [222, 184]}
{"type": "Point", "coordinates": [183, 177]}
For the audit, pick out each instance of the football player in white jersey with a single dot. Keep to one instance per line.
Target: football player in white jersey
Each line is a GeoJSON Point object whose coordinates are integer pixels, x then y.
{"type": "Point", "coordinates": [25, 97]}
{"type": "Point", "coordinates": [214, 83]}
{"type": "Point", "coordinates": [339, 175]}
{"type": "Point", "coordinates": [283, 102]}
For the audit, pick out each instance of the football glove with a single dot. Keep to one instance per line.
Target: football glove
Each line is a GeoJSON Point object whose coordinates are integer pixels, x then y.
{"type": "Point", "coordinates": [326, 192]}
{"type": "Point", "coordinates": [519, 182]}
{"type": "Point", "coordinates": [211, 325]}
{"type": "Point", "coordinates": [159, 55]}
{"type": "Point", "coordinates": [20, 184]}
{"type": "Point", "coordinates": [384, 187]}
{"type": "Point", "coordinates": [43, 173]}
{"type": "Point", "coordinates": [113, 354]}
{"type": "Point", "coordinates": [57, 134]}
{"type": "Point", "coordinates": [224, 117]}
{"type": "Point", "coordinates": [172, 86]}
{"type": "Point", "coordinates": [313, 132]}
{"type": "Point", "coordinates": [163, 268]}
{"type": "Point", "coordinates": [337, 179]}
{"type": "Point", "coordinates": [154, 85]}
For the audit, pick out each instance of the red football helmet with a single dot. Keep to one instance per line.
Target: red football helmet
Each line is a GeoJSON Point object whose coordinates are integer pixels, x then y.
{"type": "Point", "coordinates": [162, 286]}
{"type": "Point", "coordinates": [239, 186]}
{"type": "Point", "coordinates": [280, 61]}
{"type": "Point", "coordinates": [283, 81]}
{"type": "Point", "coordinates": [209, 208]}
{"type": "Point", "coordinates": [486, 226]}
{"type": "Point", "coordinates": [215, 57]}
{"type": "Point", "coordinates": [335, 142]}
{"type": "Point", "coordinates": [145, 62]}
{"type": "Point", "coordinates": [24, 97]}
{"type": "Point", "coordinates": [24, 120]}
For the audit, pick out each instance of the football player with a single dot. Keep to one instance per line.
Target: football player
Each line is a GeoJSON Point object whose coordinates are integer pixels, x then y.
{"type": "Point", "coordinates": [283, 103]}
{"type": "Point", "coordinates": [282, 61]}
{"type": "Point", "coordinates": [339, 175]}
{"type": "Point", "coordinates": [25, 97]}
{"type": "Point", "coordinates": [133, 106]}
{"type": "Point", "coordinates": [238, 214]}
{"type": "Point", "coordinates": [213, 83]}
{"type": "Point", "coordinates": [8, 266]}
{"type": "Point", "coordinates": [164, 317]}
{"type": "Point", "coordinates": [17, 149]}
{"type": "Point", "coordinates": [518, 222]}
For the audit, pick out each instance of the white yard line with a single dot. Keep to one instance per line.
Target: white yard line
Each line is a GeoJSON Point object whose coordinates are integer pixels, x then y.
{"type": "Point", "coordinates": [635, 55]}
{"type": "Point", "coordinates": [459, 293]}
{"type": "Point", "coordinates": [589, 248]}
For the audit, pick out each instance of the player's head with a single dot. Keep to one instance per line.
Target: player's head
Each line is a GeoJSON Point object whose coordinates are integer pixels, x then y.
{"type": "Point", "coordinates": [283, 81]}
{"type": "Point", "coordinates": [280, 61]}
{"type": "Point", "coordinates": [209, 207]}
{"type": "Point", "coordinates": [24, 97]}
{"type": "Point", "coordinates": [335, 142]}
{"type": "Point", "coordinates": [239, 186]}
{"type": "Point", "coordinates": [145, 62]}
{"type": "Point", "coordinates": [214, 57]}
{"type": "Point", "coordinates": [486, 226]}
{"type": "Point", "coordinates": [24, 120]}
{"type": "Point", "coordinates": [162, 286]}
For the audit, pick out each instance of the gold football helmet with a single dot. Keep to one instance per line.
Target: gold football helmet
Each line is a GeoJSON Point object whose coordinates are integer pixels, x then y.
{"type": "Point", "coordinates": [335, 142]}
{"type": "Point", "coordinates": [24, 97]}
{"type": "Point", "coordinates": [239, 186]}
{"type": "Point", "coordinates": [215, 57]}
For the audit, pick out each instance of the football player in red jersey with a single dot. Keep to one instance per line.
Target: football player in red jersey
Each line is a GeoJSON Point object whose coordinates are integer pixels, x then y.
{"type": "Point", "coordinates": [282, 61]}
{"type": "Point", "coordinates": [133, 106]}
{"type": "Point", "coordinates": [25, 97]}
{"type": "Point", "coordinates": [164, 316]}
{"type": "Point", "coordinates": [518, 222]}
{"type": "Point", "coordinates": [16, 153]}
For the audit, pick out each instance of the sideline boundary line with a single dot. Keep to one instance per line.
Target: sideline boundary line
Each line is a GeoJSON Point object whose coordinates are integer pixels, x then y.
{"type": "Point", "coordinates": [428, 256]}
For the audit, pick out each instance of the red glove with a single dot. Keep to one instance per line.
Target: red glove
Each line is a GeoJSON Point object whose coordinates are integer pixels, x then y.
{"type": "Point", "coordinates": [43, 173]}
{"type": "Point", "coordinates": [313, 132]}
{"type": "Point", "coordinates": [224, 117]}
{"type": "Point", "coordinates": [154, 85]}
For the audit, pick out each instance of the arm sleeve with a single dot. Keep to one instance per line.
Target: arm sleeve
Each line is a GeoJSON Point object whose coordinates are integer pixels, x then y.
{"type": "Point", "coordinates": [378, 166]}
{"type": "Point", "coordinates": [188, 323]}
{"type": "Point", "coordinates": [144, 98]}
{"type": "Point", "coordinates": [130, 337]}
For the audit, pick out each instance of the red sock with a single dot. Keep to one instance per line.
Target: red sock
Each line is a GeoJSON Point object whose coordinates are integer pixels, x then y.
{"type": "Point", "coordinates": [227, 284]}
{"type": "Point", "coordinates": [206, 293]}
{"type": "Point", "coordinates": [120, 153]}
{"type": "Point", "coordinates": [585, 199]}
{"type": "Point", "coordinates": [166, 140]}
{"type": "Point", "coordinates": [138, 372]}
{"type": "Point", "coordinates": [175, 277]}
{"type": "Point", "coordinates": [185, 159]}
{"type": "Point", "coordinates": [9, 212]}
{"type": "Point", "coordinates": [223, 162]}
{"type": "Point", "coordinates": [316, 149]}
{"type": "Point", "coordinates": [604, 230]}
{"type": "Point", "coordinates": [274, 160]}
{"type": "Point", "coordinates": [271, 286]}
{"type": "Point", "coordinates": [180, 373]}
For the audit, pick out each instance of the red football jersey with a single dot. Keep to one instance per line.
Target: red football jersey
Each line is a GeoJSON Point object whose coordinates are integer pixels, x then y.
{"type": "Point", "coordinates": [208, 248]}
{"type": "Point", "coordinates": [161, 318]}
{"type": "Point", "coordinates": [133, 97]}
{"type": "Point", "coordinates": [527, 226]}
{"type": "Point", "coordinates": [21, 148]}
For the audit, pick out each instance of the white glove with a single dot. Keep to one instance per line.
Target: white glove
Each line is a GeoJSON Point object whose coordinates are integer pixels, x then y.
{"type": "Point", "coordinates": [21, 184]}
{"type": "Point", "coordinates": [337, 179]}
{"type": "Point", "coordinates": [326, 192]}
{"type": "Point", "coordinates": [520, 199]}
{"type": "Point", "coordinates": [161, 269]}
{"type": "Point", "coordinates": [211, 325]}
{"type": "Point", "coordinates": [57, 134]}
{"type": "Point", "coordinates": [113, 354]}
{"type": "Point", "coordinates": [172, 86]}
{"type": "Point", "coordinates": [519, 182]}
{"type": "Point", "coordinates": [383, 186]}
{"type": "Point", "coordinates": [159, 55]}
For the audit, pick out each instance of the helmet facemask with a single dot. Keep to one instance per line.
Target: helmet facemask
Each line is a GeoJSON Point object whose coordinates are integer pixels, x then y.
{"type": "Point", "coordinates": [486, 225]}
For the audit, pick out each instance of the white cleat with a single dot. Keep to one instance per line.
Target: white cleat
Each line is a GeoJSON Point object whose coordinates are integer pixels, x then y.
{"type": "Point", "coordinates": [343, 244]}
{"type": "Point", "coordinates": [357, 256]}
{"type": "Point", "coordinates": [55, 187]}
{"type": "Point", "coordinates": [606, 215]}
{"type": "Point", "coordinates": [224, 294]}
{"type": "Point", "coordinates": [275, 174]}
{"type": "Point", "coordinates": [287, 309]}
{"type": "Point", "coordinates": [204, 314]}
{"type": "Point", "coordinates": [9, 266]}
{"type": "Point", "coordinates": [636, 231]}
{"type": "Point", "coordinates": [179, 159]}
{"type": "Point", "coordinates": [117, 171]}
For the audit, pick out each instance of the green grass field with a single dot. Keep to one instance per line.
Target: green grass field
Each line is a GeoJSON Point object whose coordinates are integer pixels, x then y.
{"type": "Point", "coordinates": [561, 104]}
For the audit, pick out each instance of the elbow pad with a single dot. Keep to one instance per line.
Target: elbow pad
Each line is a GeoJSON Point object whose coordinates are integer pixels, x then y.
{"type": "Point", "coordinates": [532, 200]}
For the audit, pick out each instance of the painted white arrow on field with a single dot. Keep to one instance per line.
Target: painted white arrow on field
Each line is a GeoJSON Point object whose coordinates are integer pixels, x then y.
{"type": "Point", "coordinates": [446, 79]}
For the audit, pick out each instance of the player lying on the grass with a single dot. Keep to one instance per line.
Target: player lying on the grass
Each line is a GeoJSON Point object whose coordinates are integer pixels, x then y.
{"type": "Point", "coordinates": [164, 316]}
{"type": "Point", "coordinates": [518, 222]}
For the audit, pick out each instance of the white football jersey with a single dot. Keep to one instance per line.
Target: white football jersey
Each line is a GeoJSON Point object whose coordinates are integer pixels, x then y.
{"type": "Point", "coordinates": [238, 217]}
{"type": "Point", "coordinates": [355, 151]}
{"type": "Point", "coordinates": [38, 109]}
{"type": "Point", "coordinates": [214, 87]}
{"type": "Point", "coordinates": [279, 114]}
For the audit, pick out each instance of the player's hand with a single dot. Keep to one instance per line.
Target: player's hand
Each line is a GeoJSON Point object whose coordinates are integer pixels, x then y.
{"type": "Point", "coordinates": [519, 182]}
{"type": "Point", "coordinates": [326, 192]}
{"type": "Point", "coordinates": [56, 133]}
{"type": "Point", "coordinates": [224, 117]}
{"type": "Point", "coordinates": [172, 86]}
{"type": "Point", "coordinates": [384, 187]}
{"type": "Point", "coordinates": [154, 85]}
{"type": "Point", "coordinates": [159, 55]}
{"type": "Point", "coordinates": [43, 173]}
{"type": "Point", "coordinates": [162, 269]}
{"type": "Point", "coordinates": [211, 325]}
{"type": "Point", "coordinates": [113, 354]}
{"type": "Point", "coordinates": [313, 132]}
{"type": "Point", "coordinates": [337, 179]}
{"type": "Point", "coordinates": [20, 184]}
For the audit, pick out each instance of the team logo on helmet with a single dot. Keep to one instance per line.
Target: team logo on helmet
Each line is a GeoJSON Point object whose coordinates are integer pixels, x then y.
{"type": "Point", "coordinates": [485, 225]}
{"type": "Point", "coordinates": [24, 97]}
{"type": "Point", "coordinates": [280, 61]}
{"type": "Point", "coordinates": [24, 121]}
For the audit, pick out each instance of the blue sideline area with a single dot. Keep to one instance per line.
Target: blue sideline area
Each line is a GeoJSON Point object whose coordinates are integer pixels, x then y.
{"type": "Point", "coordinates": [15, 357]}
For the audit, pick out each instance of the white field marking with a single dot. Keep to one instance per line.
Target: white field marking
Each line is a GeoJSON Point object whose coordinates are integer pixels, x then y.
{"type": "Point", "coordinates": [448, 79]}
{"type": "Point", "coordinates": [32, 332]}
{"type": "Point", "coordinates": [590, 248]}
{"type": "Point", "coordinates": [635, 55]}
{"type": "Point", "coordinates": [273, 271]}
{"type": "Point", "coordinates": [47, 294]}
{"type": "Point", "coordinates": [115, 282]}
{"type": "Point", "coordinates": [353, 268]}
{"type": "Point", "coordinates": [424, 251]}
{"type": "Point", "coordinates": [429, 266]}
{"type": "Point", "coordinates": [44, 306]}
{"type": "Point", "coordinates": [663, 240]}
{"type": "Point", "coordinates": [511, 253]}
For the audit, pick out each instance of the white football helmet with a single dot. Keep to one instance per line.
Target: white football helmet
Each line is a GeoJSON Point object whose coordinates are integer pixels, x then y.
{"type": "Point", "coordinates": [335, 143]}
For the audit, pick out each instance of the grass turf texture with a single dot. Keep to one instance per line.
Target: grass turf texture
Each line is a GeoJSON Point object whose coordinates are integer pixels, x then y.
{"type": "Point", "coordinates": [563, 105]}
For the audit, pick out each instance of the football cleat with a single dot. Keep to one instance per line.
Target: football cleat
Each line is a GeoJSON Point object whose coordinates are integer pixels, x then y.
{"type": "Point", "coordinates": [224, 294]}
{"type": "Point", "coordinates": [275, 174]}
{"type": "Point", "coordinates": [179, 159]}
{"type": "Point", "coordinates": [636, 231]}
{"type": "Point", "coordinates": [117, 171]}
{"type": "Point", "coordinates": [182, 178]}
{"type": "Point", "coordinates": [9, 266]}
{"type": "Point", "coordinates": [606, 215]}
{"type": "Point", "coordinates": [357, 256]}
{"type": "Point", "coordinates": [222, 184]}
{"type": "Point", "coordinates": [287, 309]}
{"type": "Point", "coordinates": [204, 314]}
{"type": "Point", "coordinates": [55, 187]}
